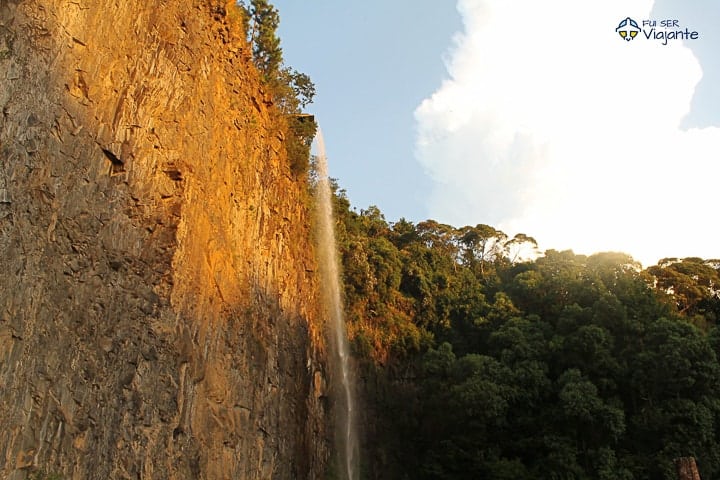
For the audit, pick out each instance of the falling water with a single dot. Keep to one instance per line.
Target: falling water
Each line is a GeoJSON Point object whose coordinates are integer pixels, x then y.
{"type": "Point", "coordinates": [330, 278]}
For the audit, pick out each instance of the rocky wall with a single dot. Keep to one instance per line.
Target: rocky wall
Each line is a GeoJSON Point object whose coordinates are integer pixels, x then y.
{"type": "Point", "coordinates": [158, 307]}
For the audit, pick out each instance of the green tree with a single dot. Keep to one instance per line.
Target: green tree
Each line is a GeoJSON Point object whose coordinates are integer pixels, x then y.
{"type": "Point", "coordinates": [692, 286]}
{"type": "Point", "coordinates": [567, 366]}
{"type": "Point", "coordinates": [482, 244]}
{"type": "Point", "coordinates": [291, 89]}
{"type": "Point", "coordinates": [267, 53]}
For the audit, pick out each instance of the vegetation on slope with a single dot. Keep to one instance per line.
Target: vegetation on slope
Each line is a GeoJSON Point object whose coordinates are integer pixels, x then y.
{"type": "Point", "coordinates": [478, 365]}
{"type": "Point", "coordinates": [291, 90]}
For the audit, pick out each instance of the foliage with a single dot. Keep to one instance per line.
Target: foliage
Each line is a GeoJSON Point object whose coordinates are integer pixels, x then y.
{"type": "Point", "coordinates": [302, 131]}
{"type": "Point", "coordinates": [267, 53]}
{"type": "Point", "coordinates": [291, 90]}
{"type": "Point", "coordinates": [692, 286]}
{"type": "Point", "coordinates": [477, 363]}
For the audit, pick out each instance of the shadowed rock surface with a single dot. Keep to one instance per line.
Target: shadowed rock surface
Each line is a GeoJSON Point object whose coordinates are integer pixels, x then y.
{"type": "Point", "coordinates": [158, 307]}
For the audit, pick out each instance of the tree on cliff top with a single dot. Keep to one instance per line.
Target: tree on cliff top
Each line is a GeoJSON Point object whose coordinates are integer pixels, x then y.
{"type": "Point", "coordinates": [267, 53]}
{"type": "Point", "coordinates": [291, 89]}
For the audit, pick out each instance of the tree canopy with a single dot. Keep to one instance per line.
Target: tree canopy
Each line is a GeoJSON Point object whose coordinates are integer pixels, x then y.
{"type": "Point", "coordinates": [479, 363]}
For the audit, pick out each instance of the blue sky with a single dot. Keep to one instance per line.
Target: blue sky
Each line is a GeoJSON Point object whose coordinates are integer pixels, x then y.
{"type": "Point", "coordinates": [484, 112]}
{"type": "Point", "coordinates": [372, 63]}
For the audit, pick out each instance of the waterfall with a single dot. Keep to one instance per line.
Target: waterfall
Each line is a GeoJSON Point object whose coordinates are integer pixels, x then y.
{"type": "Point", "coordinates": [347, 443]}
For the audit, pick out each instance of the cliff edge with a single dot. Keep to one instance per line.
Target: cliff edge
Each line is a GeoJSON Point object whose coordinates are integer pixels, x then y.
{"type": "Point", "coordinates": [159, 314]}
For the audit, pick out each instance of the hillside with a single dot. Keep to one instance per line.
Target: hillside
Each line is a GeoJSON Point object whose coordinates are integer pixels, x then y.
{"type": "Point", "coordinates": [477, 363]}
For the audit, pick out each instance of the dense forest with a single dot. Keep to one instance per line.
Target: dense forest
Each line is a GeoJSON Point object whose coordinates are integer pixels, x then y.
{"type": "Point", "coordinates": [477, 363]}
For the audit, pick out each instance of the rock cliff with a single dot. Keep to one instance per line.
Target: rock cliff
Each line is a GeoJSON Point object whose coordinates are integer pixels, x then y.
{"type": "Point", "coordinates": [158, 307]}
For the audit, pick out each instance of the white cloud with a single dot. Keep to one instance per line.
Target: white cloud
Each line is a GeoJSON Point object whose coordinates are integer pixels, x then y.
{"type": "Point", "coordinates": [551, 125]}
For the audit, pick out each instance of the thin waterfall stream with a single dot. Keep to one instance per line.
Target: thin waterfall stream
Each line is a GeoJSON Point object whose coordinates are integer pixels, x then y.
{"type": "Point", "coordinates": [347, 443]}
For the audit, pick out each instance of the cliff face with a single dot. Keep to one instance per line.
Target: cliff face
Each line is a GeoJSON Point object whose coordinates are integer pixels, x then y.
{"type": "Point", "coordinates": [158, 310]}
